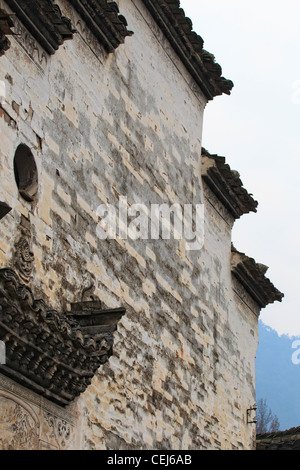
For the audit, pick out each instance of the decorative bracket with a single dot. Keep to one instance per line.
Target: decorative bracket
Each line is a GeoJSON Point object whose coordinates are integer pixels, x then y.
{"type": "Point", "coordinates": [53, 354]}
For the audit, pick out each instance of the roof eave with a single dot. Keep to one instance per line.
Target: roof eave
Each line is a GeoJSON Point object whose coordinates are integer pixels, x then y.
{"type": "Point", "coordinates": [252, 276]}
{"type": "Point", "coordinates": [178, 29]}
{"type": "Point", "coordinates": [226, 184]}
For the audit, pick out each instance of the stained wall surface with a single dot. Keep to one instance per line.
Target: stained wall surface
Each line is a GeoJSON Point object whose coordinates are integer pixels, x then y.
{"type": "Point", "coordinates": [103, 127]}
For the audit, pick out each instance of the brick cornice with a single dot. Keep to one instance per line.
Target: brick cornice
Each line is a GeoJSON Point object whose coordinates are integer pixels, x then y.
{"type": "Point", "coordinates": [178, 29]}
{"type": "Point", "coordinates": [226, 184]}
{"type": "Point", "coordinates": [44, 20]}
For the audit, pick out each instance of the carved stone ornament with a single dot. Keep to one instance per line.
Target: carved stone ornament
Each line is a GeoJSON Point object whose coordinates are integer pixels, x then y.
{"type": "Point", "coordinates": [44, 20]}
{"type": "Point", "coordinates": [54, 354]}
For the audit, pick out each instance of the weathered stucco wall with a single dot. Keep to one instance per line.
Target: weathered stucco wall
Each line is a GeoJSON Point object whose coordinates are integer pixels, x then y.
{"type": "Point", "coordinates": [129, 124]}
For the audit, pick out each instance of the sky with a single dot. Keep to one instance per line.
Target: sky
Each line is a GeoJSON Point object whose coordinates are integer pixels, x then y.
{"type": "Point", "coordinates": [257, 130]}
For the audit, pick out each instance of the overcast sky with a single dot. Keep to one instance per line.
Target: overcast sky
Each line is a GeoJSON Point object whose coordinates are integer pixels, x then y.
{"type": "Point", "coordinates": [257, 129]}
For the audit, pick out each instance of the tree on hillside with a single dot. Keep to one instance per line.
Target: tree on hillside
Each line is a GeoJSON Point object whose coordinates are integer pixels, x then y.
{"type": "Point", "coordinates": [266, 420]}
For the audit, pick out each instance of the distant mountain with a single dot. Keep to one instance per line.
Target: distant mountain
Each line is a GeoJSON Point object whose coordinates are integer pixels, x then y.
{"type": "Point", "coordinates": [278, 375]}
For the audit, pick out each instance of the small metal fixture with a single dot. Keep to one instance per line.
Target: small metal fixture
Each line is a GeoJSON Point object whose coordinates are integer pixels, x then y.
{"type": "Point", "coordinates": [251, 415]}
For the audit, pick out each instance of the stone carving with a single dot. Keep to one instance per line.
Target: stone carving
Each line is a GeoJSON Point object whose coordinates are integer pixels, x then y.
{"type": "Point", "coordinates": [31, 46]}
{"type": "Point", "coordinates": [19, 425]}
{"type": "Point", "coordinates": [52, 353]}
{"type": "Point", "coordinates": [88, 293]}
{"type": "Point", "coordinates": [24, 259]}
{"type": "Point", "coordinates": [60, 429]}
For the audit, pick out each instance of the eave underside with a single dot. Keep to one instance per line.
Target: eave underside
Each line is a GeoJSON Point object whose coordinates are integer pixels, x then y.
{"type": "Point", "coordinates": [227, 185]}
{"type": "Point", "coordinates": [178, 29]}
